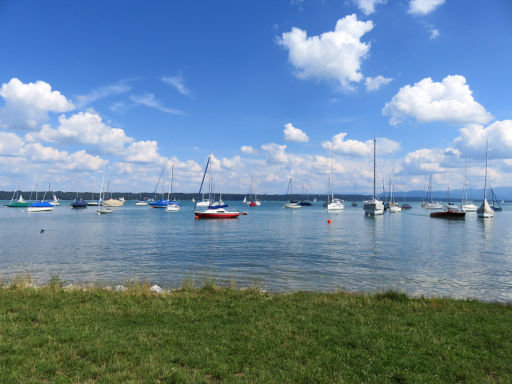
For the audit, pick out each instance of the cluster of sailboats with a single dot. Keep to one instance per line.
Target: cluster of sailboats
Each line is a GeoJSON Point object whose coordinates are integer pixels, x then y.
{"type": "Point", "coordinates": [212, 208]}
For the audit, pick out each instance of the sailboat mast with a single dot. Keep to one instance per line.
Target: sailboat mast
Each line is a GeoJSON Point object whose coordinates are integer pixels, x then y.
{"type": "Point", "coordinates": [485, 180]}
{"type": "Point", "coordinates": [172, 178]}
{"type": "Point", "coordinates": [374, 165]}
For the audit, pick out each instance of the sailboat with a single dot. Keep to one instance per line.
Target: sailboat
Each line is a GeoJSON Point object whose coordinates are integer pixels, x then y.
{"type": "Point", "coordinates": [394, 207]}
{"type": "Point", "coordinates": [40, 206]}
{"type": "Point", "coordinates": [292, 204]}
{"type": "Point", "coordinates": [305, 202]}
{"type": "Point", "coordinates": [354, 203]}
{"type": "Point", "coordinates": [55, 200]}
{"type": "Point", "coordinates": [173, 206]}
{"type": "Point", "coordinates": [467, 206]}
{"type": "Point", "coordinates": [431, 204]}
{"type": "Point", "coordinates": [374, 207]}
{"type": "Point", "coordinates": [485, 211]}
{"type": "Point", "coordinates": [141, 202]}
{"type": "Point", "coordinates": [17, 201]}
{"type": "Point", "coordinates": [78, 203]}
{"type": "Point", "coordinates": [495, 204]}
{"type": "Point", "coordinates": [113, 202]}
{"type": "Point", "coordinates": [105, 209]}
{"type": "Point", "coordinates": [212, 212]}
{"type": "Point", "coordinates": [162, 203]}
{"type": "Point", "coordinates": [334, 204]}
{"type": "Point", "coordinates": [254, 202]}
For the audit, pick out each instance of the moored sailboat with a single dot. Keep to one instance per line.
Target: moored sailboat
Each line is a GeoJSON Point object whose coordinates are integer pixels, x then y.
{"type": "Point", "coordinates": [291, 204]}
{"type": "Point", "coordinates": [374, 207]}
{"type": "Point", "coordinates": [173, 206]}
{"type": "Point", "coordinates": [485, 211]}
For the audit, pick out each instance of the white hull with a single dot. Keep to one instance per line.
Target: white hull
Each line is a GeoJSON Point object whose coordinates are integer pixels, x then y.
{"type": "Point", "coordinates": [39, 209]}
{"type": "Point", "coordinates": [172, 208]}
{"type": "Point", "coordinates": [336, 205]}
{"type": "Point", "coordinates": [104, 211]}
{"type": "Point", "coordinates": [485, 211]}
{"type": "Point", "coordinates": [54, 203]}
{"type": "Point", "coordinates": [432, 206]}
{"type": "Point", "coordinates": [203, 204]}
{"type": "Point", "coordinates": [469, 208]}
{"type": "Point", "coordinates": [373, 208]}
{"type": "Point", "coordinates": [395, 209]}
{"type": "Point", "coordinates": [141, 203]}
{"type": "Point", "coordinates": [292, 206]}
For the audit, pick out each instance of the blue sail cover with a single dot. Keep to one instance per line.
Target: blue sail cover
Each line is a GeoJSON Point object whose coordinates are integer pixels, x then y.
{"type": "Point", "coordinates": [79, 203]}
{"type": "Point", "coordinates": [40, 204]}
{"type": "Point", "coordinates": [217, 206]}
{"type": "Point", "coordinates": [160, 203]}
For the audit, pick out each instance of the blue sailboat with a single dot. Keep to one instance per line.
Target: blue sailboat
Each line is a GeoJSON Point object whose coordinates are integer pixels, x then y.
{"type": "Point", "coordinates": [495, 204]}
{"type": "Point", "coordinates": [161, 203]}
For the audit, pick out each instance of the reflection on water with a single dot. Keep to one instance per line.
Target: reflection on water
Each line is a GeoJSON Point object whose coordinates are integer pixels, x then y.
{"type": "Point", "coordinates": [275, 248]}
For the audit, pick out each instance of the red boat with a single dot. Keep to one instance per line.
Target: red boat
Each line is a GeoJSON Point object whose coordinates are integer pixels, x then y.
{"type": "Point", "coordinates": [449, 214]}
{"type": "Point", "coordinates": [252, 204]}
{"type": "Point", "coordinates": [218, 213]}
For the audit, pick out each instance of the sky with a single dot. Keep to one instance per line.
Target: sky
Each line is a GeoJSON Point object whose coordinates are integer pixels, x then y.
{"type": "Point", "coordinates": [273, 89]}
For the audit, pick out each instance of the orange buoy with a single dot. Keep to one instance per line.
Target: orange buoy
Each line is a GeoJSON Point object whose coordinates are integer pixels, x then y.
{"type": "Point", "coordinates": [196, 217]}
{"type": "Point", "coordinates": [329, 221]}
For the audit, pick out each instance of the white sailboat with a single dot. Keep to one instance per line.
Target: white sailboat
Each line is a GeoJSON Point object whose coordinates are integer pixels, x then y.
{"type": "Point", "coordinates": [431, 204]}
{"type": "Point", "coordinates": [104, 209]}
{"type": "Point", "coordinates": [173, 206]}
{"type": "Point", "coordinates": [373, 207]}
{"type": "Point", "coordinates": [394, 207]}
{"type": "Point", "coordinates": [485, 211]}
{"type": "Point", "coordinates": [292, 204]}
{"type": "Point", "coordinates": [467, 205]}
{"type": "Point", "coordinates": [335, 204]}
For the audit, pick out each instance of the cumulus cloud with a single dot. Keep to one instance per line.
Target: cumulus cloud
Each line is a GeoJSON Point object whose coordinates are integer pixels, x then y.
{"type": "Point", "coordinates": [368, 6]}
{"type": "Point", "coordinates": [294, 134]}
{"type": "Point", "coordinates": [149, 100]}
{"type": "Point", "coordinates": [422, 7]}
{"type": "Point", "coordinates": [10, 144]}
{"type": "Point", "coordinates": [427, 101]}
{"type": "Point", "coordinates": [473, 138]}
{"type": "Point", "coordinates": [248, 150]}
{"type": "Point", "coordinates": [27, 105]}
{"type": "Point", "coordinates": [434, 33]}
{"type": "Point", "coordinates": [142, 152]}
{"type": "Point", "coordinates": [84, 128]}
{"type": "Point", "coordinates": [275, 153]}
{"type": "Point", "coordinates": [334, 55]}
{"type": "Point", "coordinates": [357, 148]}
{"type": "Point", "coordinates": [430, 160]}
{"type": "Point", "coordinates": [374, 83]}
{"type": "Point", "coordinates": [178, 83]}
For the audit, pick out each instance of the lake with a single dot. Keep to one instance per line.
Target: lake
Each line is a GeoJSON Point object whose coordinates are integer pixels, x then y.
{"type": "Point", "coordinates": [273, 248]}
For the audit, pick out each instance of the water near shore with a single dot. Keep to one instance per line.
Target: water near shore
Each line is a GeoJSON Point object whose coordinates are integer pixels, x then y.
{"type": "Point", "coordinates": [277, 249]}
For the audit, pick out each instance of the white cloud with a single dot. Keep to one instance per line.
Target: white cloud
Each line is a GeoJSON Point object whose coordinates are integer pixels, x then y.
{"type": "Point", "coordinates": [434, 33]}
{"type": "Point", "coordinates": [84, 128]}
{"type": "Point", "coordinates": [248, 150]}
{"type": "Point", "coordinates": [357, 148]}
{"type": "Point", "coordinates": [102, 92]}
{"type": "Point", "coordinates": [472, 140]}
{"type": "Point", "coordinates": [431, 160]}
{"type": "Point", "coordinates": [233, 163]}
{"type": "Point", "coordinates": [10, 144]}
{"type": "Point", "coordinates": [178, 83]}
{"type": "Point", "coordinates": [27, 105]}
{"type": "Point", "coordinates": [294, 134]}
{"type": "Point", "coordinates": [422, 7]}
{"type": "Point", "coordinates": [368, 6]}
{"type": "Point", "coordinates": [275, 153]}
{"type": "Point", "coordinates": [143, 152]}
{"type": "Point", "coordinates": [149, 100]}
{"type": "Point", "coordinates": [334, 55]}
{"type": "Point", "coordinates": [374, 83]}
{"type": "Point", "coordinates": [428, 101]}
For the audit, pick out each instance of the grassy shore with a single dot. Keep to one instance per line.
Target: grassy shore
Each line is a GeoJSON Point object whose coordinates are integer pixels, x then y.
{"type": "Point", "coordinates": [227, 335]}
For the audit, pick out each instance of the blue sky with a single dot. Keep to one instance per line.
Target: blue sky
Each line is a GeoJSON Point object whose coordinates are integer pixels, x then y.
{"type": "Point", "coordinates": [270, 87]}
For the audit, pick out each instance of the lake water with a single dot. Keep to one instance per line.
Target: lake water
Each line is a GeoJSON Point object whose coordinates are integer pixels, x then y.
{"type": "Point", "coordinates": [276, 249]}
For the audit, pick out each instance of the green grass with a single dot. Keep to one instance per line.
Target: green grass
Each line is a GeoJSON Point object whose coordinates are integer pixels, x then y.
{"type": "Point", "coordinates": [227, 335]}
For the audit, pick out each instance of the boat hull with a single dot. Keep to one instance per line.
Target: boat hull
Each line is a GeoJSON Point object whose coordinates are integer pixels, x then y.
{"type": "Point", "coordinates": [448, 215]}
{"type": "Point", "coordinates": [373, 208]}
{"type": "Point", "coordinates": [292, 206]}
{"type": "Point", "coordinates": [213, 215]}
{"type": "Point", "coordinates": [39, 209]}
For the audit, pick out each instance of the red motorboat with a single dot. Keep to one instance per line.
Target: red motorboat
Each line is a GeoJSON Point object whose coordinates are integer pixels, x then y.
{"type": "Point", "coordinates": [449, 214]}
{"type": "Point", "coordinates": [216, 213]}
{"type": "Point", "coordinates": [252, 204]}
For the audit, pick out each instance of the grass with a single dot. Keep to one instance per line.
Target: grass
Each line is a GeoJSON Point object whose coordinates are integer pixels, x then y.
{"type": "Point", "coordinates": [210, 335]}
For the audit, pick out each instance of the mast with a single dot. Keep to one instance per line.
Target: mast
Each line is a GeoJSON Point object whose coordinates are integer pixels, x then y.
{"type": "Point", "coordinates": [172, 178]}
{"type": "Point", "coordinates": [485, 179]}
{"type": "Point", "coordinates": [374, 164]}
{"type": "Point", "coordinates": [464, 193]}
